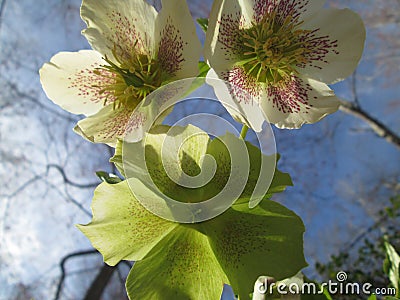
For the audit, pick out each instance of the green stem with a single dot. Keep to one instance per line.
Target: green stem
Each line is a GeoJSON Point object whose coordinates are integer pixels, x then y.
{"type": "Point", "coordinates": [244, 132]}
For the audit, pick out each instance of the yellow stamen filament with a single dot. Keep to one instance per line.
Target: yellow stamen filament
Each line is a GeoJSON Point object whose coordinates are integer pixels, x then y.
{"type": "Point", "coordinates": [272, 48]}
{"type": "Point", "coordinates": [133, 76]}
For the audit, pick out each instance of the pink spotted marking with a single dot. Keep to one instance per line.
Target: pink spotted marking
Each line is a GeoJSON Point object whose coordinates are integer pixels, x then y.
{"type": "Point", "coordinates": [168, 93]}
{"type": "Point", "coordinates": [136, 121]}
{"type": "Point", "coordinates": [291, 96]}
{"type": "Point", "coordinates": [231, 26]}
{"type": "Point", "coordinates": [320, 46]}
{"type": "Point", "coordinates": [126, 39]}
{"type": "Point", "coordinates": [243, 87]}
{"type": "Point", "coordinates": [122, 121]}
{"type": "Point", "coordinates": [284, 8]}
{"type": "Point", "coordinates": [90, 85]}
{"type": "Point", "coordinates": [170, 52]}
{"type": "Point", "coordinates": [229, 33]}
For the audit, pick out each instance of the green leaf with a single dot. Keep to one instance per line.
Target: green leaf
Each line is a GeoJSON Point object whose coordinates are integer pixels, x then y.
{"type": "Point", "coordinates": [277, 179]}
{"type": "Point", "coordinates": [121, 228]}
{"type": "Point", "coordinates": [279, 184]}
{"type": "Point", "coordinates": [372, 297]}
{"type": "Point", "coordinates": [203, 69]}
{"type": "Point", "coordinates": [179, 149]}
{"type": "Point", "coordinates": [108, 177]}
{"type": "Point", "coordinates": [182, 266]}
{"type": "Point", "coordinates": [177, 261]}
{"type": "Point", "coordinates": [203, 22]}
{"type": "Point", "coordinates": [394, 260]}
{"type": "Point", "coordinates": [189, 156]}
{"type": "Point", "coordinates": [117, 158]}
{"type": "Point", "coordinates": [266, 240]}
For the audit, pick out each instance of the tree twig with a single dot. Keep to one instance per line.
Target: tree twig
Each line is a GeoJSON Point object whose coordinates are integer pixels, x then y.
{"type": "Point", "coordinates": [99, 283]}
{"type": "Point", "coordinates": [2, 8]}
{"type": "Point", "coordinates": [68, 181]}
{"type": "Point", "coordinates": [377, 126]}
{"type": "Point", "coordinates": [62, 267]}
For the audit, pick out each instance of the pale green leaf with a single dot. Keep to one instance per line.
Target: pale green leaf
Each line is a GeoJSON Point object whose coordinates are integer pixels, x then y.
{"type": "Point", "coordinates": [394, 260]}
{"type": "Point", "coordinates": [121, 227]}
{"type": "Point", "coordinates": [266, 240]}
{"type": "Point", "coordinates": [117, 158]}
{"type": "Point", "coordinates": [203, 22]}
{"type": "Point", "coordinates": [181, 267]}
{"type": "Point", "coordinates": [177, 261]}
{"type": "Point", "coordinates": [108, 177]}
{"type": "Point", "coordinates": [203, 69]}
{"type": "Point", "coordinates": [186, 161]}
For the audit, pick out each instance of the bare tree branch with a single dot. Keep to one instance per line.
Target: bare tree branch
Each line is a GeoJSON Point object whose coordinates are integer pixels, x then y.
{"type": "Point", "coordinates": [22, 187]}
{"type": "Point", "coordinates": [365, 233]}
{"type": "Point", "coordinates": [99, 283]}
{"type": "Point", "coordinates": [377, 126]}
{"type": "Point", "coordinates": [69, 198]}
{"type": "Point", "coordinates": [68, 181]}
{"type": "Point", "coordinates": [62, 267]}
{"type": "Point", "coordinates": [2, 8]}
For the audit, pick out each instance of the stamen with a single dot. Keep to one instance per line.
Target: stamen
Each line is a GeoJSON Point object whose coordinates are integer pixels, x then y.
{"type": "Point", "coordinates": [272, 48]}
{"type": "Point", "coordinates": [133, 78]}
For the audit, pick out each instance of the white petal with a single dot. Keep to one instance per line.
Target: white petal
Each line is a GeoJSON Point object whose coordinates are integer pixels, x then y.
{"type": "Point", "coordinates": [339, 42]}
{"type": "Point", "coordinates": [248, 10]}
{"type": "Point", "coordinates": [125, 25]}
{"type": "Point", "coordinates": [301, 9]}
{"type": "Point", "coordinates": [178, 47]}
{"type": "Point", "coordinates": [240, 103]}
{"type": "Point", "coordinates": [308, 8]}
{"type": "Point", "coordinates": [229, 17]}
{"type": "Point", "coordinates": [156, 106]}
{"type": "Point", "coordinates": [221, 38]}
{"type": "Point", "coordinates": [301, 101]}
{"type": "Point", "coordinates": [69, 81]}
{"type": "Point", "coordinates": [108, 125]}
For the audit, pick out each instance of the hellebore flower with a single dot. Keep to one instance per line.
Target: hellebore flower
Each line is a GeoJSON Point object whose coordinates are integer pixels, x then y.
{"type": "Point", "coordinates": [194, 260]}
{"type": "Point", "coordinates": [283, 53]}
{"type": "Point", "coordinates": [136, 50]}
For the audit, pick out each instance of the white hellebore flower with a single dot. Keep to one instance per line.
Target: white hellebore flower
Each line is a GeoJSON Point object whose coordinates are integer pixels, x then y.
{"type": "Point", "coordinates": [281, 53]}
{"type": "Point", "coordinates": [136, 50]}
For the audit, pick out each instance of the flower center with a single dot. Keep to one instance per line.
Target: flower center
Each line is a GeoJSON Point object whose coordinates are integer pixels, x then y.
{"type": "Point", "coordinates": [136, 76]}
{"type": "Point", "coordinates": [272, 48]}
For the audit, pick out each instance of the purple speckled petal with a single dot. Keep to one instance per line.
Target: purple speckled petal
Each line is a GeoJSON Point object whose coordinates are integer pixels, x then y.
{"type": "Point", "coordinates": [123, 25]}
{"type": "Point", "coordinates": [178, 46]}
{"type": "Point", "coordinates": [69, 81]}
